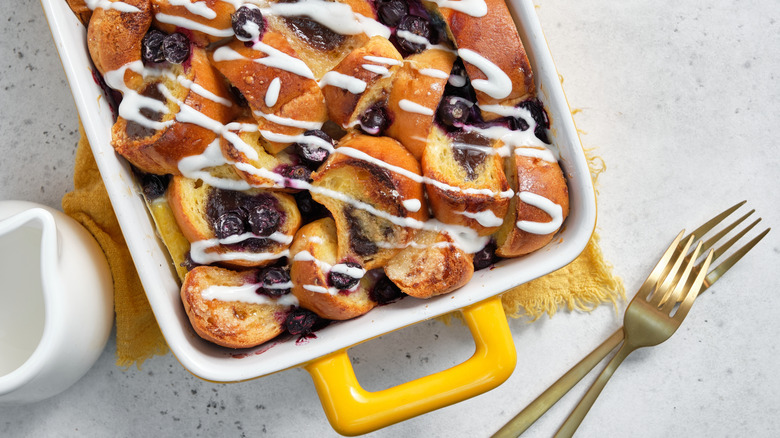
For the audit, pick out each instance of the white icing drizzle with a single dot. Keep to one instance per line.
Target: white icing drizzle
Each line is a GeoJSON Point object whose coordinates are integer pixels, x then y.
{"type": "Point", "coordinates": [336, 16]}
{"type": "Point", "coordinates": [108, 4]}
{"type": "Point", "coordinates": [275, 58]}
{"type": "Point", "coordinates": [497, 85]}
{"type": "Point", "coordinates": [354, 153]}
{"type": "Point", "coordinates": [457, 80]}
{"type": "Point", "coordinates": [198, 8]}
{"type": "Point", "coordinates": [486, 218]}
{"type": "Point", "coordinates": [434, 73]}
{"type": "Point", "coordinates": [200, 254]}
{"type": "Point", "coordinates": [285, 121]}
{"type": "Point", "coordinates": [340, 80]}
{"type": "Point", "coordinates": [554, 210]}
{"type": "Point", "coordinates": [186, 23]}
{"type": "Point", "coordinates": [413, 107]}
{"type": "Point", "coordinates": [378, 69]}
{"type": "Point", "coordinates": [247, 293]}
{"type": "Point", "coordinates": [413, 205]}
{"type": "Point", "coordinates": [382, 60]}
{"type": "Point", "coordinates": [272, 93]}
{"type": "Point", "coordinates": [474, 8]}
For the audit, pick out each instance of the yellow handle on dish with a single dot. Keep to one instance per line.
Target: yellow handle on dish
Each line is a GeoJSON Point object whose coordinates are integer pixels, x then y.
{"type": "Point", "coordinates": [352, 410]}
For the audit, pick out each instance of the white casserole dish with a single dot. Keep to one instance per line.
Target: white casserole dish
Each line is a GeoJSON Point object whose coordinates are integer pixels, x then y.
{"type": "Point", "coordinates": [214, 363]}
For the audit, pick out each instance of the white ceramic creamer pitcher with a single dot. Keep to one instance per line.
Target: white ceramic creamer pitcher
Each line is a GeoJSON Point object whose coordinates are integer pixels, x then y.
{"type": "Point", "coordinates": [56, 302]}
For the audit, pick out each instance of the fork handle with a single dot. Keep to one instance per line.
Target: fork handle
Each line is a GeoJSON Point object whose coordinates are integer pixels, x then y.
{"type": "Point", "coordinates": [578, 414]}
{"type": "Point", "coordinates": [523, 420]}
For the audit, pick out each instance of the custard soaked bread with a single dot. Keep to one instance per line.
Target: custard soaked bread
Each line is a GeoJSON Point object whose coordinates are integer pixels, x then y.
{"type": "Point", "coordinates": [315, 159]}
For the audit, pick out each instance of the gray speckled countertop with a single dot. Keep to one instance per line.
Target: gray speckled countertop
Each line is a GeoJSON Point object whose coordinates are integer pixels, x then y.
{"type": "Point", "coordinates": [681, 99]}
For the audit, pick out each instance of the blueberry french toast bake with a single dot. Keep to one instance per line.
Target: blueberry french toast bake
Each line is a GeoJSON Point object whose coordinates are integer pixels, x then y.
{"type": "Point", "coordinates": [306, 161]}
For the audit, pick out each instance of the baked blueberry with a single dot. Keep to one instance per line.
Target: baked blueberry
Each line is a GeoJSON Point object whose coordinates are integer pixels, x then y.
{"type": "Point", "coordinates": [391, 12]}
{"type": "Point", "coordinates": [420, 34]}
{"type": "Point", "coordinates": [229, 224]}
{"type": "Point", "coordinates": [454, 111]}
{"type": "Point", "coordinates": [273, 281]}
{"type": "Point", "coordinates": [151, 47]}
{"type": "Point", "coordinates": [248, 23]}
{"type": "Point", "coordinates": [375, 120]}
{"type": "Point", "coordinates": [313, 149]}
{"type": "Point", "coordinates": [297, 172]}
{"type": "Point", "coordinates": [301, 321]}
{"type": "Point", "coordinates": [341, 279]}
{"type": "Point", "coordinates": [486, 256]}
{"type": "Point", "coordinates": [154, 186]}
{"type": "Point", "coordinates": [535, 107]}
{"type": "Point", "coordinates": [176, 48]}
{"type": "Point", "coordinates": [263, 220]}
{"type": "Point", "coordinates": [385, 291]}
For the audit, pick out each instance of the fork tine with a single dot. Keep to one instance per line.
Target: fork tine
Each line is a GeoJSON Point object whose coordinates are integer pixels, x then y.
{"type": "Point", "coordinates": [706, 227]}
{"type": "Point", "coordinates": [652, 280]}
{"type": "Point", "coordinates": [710, 224]}
{"type": "Point", "coordinates": [665, 287]}
{"type": "Point", "coordinates": [723, 248]}
{"type": "Point", "coordinates": [693, 291]}
{"type": "Point", "coordinates": [671, 297]}
{"type": "Point", "coordinates": [725, 265]}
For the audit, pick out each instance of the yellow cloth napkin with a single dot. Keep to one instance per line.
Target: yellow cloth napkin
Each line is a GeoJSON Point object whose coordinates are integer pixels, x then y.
{"type": "Point", "coordinates": [582, 285]}
{"type": "Point", "coordinates": [138, 336]}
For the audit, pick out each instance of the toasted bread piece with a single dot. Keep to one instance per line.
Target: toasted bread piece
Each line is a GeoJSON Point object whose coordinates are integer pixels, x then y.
{"type": "Point", "coordinates": [114, 38]}
{"type": "Point", "coordinates": [376, 207]}
{"type": "Point", "coordinates": [537, 210]}
{"type": "Point", "coordinates": [360, 80]}
{"type": "Point", "coordinates": [319, 47]}
{"type": "Point", "coordinates": [432, 266]}
{"type": "Point", "coordinates": [486, 42]}
{"type": "Point", "coordinates": [415, 93]}
{"type": "Point", "coordinates": [473, 189]}
{"type": "Point", "coordinates": [221, 226]}
{"type": "Point", "coordinates": [279, 88]}
{"type": "Point", "coordinates": [314, 253]}
{"type": "Point", "coordinates": [156, 140]}
{"type": "Point", "coordinates": [232, 324]}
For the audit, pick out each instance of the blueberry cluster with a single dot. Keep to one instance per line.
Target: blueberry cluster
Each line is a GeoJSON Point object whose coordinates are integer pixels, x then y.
{"type": "Point", "coordinates": [406, 18]}
{"type": "Point", "coordinates": [158, 47]}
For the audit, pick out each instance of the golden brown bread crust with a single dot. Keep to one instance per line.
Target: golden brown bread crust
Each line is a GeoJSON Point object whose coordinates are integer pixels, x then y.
{"type": "Point", "coordinates": [344, 106]}
{"type": "Point", "coordinates": [114, 37]}
{"type": "Point", "coordinates": [360, 231]}
{"type": "Point", "coordinates": [299, 98]}
{"type": "Point", "coordinates": [500, 45]}
{"type": "Point", "coordinates": [159, 151]}
{"type": "Point", "coordinates": [189, 201]}
{"type": "Point", "coordinates": [81, 10]}
{"type": "Point", "coordinates": [313, 252]}
{"type": "Point", "coordinates": [221, 23]}
{"type": "Point", "coordinates": [232, 324]}
{"type": "Point", "coordinates": [411, 128]}
{"type": "Point", "coordinates": [452, 204]}
{"type": "Point", "coordinates": [433, 266]}
{"type": "Point", "coordinates": [544, 178]}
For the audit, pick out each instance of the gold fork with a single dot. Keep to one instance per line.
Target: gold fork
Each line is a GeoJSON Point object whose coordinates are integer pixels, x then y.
{"type": "Point", "coordinates": [662, 270]}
